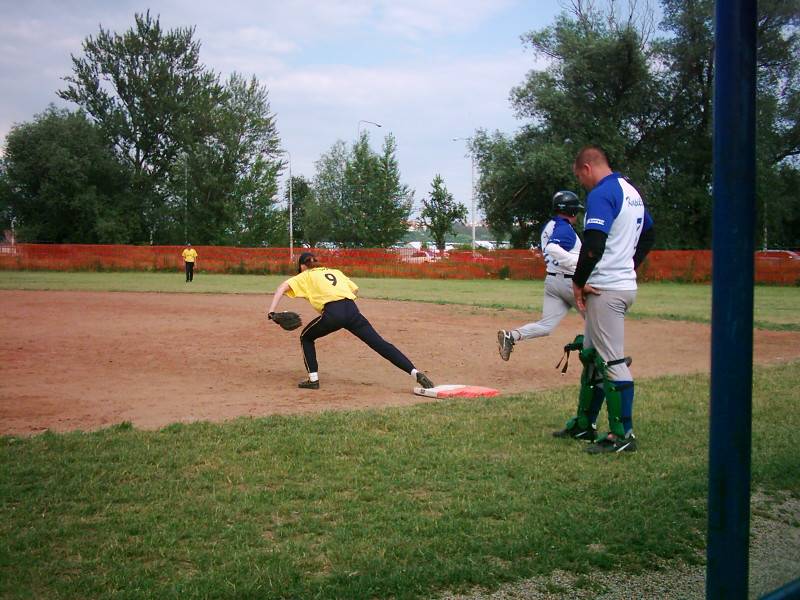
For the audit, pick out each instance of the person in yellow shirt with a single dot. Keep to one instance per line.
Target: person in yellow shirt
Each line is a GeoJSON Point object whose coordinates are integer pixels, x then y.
{"type": "Point", "coordinates": [333, 295]}
{"type": "Point", "coordinates": [189, 258]}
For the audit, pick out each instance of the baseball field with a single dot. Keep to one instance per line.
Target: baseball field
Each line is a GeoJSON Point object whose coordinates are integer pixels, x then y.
{"type": "Point", "coordinates": [154, 443]}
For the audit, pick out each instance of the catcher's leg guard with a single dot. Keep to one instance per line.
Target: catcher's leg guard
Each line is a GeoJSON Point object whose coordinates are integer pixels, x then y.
{"type": "Point", "coordinates": [614, 391]}
{"type": "Point", "coordinates": [588, 357]}
{"type": "Point", "coordinates": [581, 425]}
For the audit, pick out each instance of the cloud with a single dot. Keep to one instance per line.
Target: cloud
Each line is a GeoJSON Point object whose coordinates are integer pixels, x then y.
{"type": "Point", "coordinates": [424, 104]}
{"type": "Point", "coordinates": [417, 18]}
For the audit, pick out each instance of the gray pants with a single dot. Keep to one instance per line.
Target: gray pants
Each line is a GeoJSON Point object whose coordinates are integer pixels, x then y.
{"type": "Point", "coordinates": [605, 328]}
{"type": "Point", "coordinates": [558, 299]}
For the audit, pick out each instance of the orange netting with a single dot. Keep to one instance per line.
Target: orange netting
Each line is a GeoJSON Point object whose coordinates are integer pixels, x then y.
{"type": "Point", "coordinates": [667, 265]}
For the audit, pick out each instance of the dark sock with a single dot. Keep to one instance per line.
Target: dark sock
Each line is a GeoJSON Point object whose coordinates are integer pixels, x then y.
{"type": "Point", "coordinates": [627, 405]}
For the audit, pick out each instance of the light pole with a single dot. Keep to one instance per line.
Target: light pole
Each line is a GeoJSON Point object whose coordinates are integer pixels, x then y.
{"type": "Point", "coordinates": [472, 183]}
{"type": "Point", "coordinates": [365, 121]}
{"type": "Point", "coordinates": [358, 139]}
{"type": "Point", "coordinates": [185, 198]}
{"type": "Point", "coordinates": [291, 225]}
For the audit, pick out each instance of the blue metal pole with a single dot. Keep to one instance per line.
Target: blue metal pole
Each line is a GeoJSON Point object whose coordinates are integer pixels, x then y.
{"type": "Point", "coordinates": [791, 591]}
{"type": "Point", "coordinates": [732, 300]}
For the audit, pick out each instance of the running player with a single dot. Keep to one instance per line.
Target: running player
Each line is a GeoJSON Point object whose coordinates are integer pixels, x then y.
{"type": "Point", "coordinates": [618, 234]}
{"type": "Point", "coordinates": [560, 247]}
{"type": "Point", "coordinates": [332, 294]}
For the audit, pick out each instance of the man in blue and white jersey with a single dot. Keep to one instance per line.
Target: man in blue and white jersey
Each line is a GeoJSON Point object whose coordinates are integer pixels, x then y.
{"type": "Point", "coordinates": [618, 234]}
{"type": "Point", "coordinates": [560, 247]}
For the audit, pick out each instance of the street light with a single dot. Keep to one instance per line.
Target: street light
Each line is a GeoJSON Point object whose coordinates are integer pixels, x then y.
{"type": "Point", "coordinates": [358, 139]}
{"type": "Point", "coordinates": [185, 198]}
{"type": "Point", "coordinates": [472, 160]}
{"type": "Point", "coordinates": [364, 121]}
{"type": "Point", "coordinates": [291, 226]}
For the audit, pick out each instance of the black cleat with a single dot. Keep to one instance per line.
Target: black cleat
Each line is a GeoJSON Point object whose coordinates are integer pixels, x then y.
{"type": "Point", "coordinates": [505, 343]}
{"type": "Point", "coordinates": [611, 443]}
{"type": "Point", "coordinates": [309, 385]}
{"type": "Point", "coordinates": [578, 433]}
{"type": "Point", "coordinates": [423, 380]}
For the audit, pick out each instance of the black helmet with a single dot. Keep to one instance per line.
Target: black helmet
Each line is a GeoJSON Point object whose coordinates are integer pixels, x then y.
{"type": "Point", "coordinates": [566, 202]}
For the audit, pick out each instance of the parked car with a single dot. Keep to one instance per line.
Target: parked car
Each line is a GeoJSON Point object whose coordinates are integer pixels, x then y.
{"type": "Point", "coordinates": [777, 255]}
{"type": "Point", "coordinates": [418, 256]}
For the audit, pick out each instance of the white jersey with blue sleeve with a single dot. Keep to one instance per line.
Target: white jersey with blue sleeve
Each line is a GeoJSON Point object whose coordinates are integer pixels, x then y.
{"type": "Point", "coordinates": [561, 246]}
{"type": "Point", "coordinates": [615, 207]}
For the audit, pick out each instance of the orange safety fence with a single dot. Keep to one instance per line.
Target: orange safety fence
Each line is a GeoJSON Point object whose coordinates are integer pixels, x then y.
{"type": "Point", "coordinates": [661, 265]}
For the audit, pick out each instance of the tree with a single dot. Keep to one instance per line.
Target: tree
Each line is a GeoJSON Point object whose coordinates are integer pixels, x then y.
{"type": "Point", "coordinates": [393, 201]}
{"type": "Point", "coordinates": [650, 108]}
{"type": "Point", "coordinates": [519, 176]}
{"type": "Point", "coordinates": [570, 103]}
{"type": "Point", "coordinates": [362, 194]}
{"type": "Point", "coordinates": [234, 170]}
{"type": "Point", "coordinates": [682, 180]}
{"type": "Point", "coordinates": [152, 98]}
{"type": "Point", "coordinates": [329, 192]}
{"type": "Point", "coordinates": [576, 99]}
{"type": "Point", "coordinates": [63, 184]}
{"type": "Point", "coordinates": [440, 211]}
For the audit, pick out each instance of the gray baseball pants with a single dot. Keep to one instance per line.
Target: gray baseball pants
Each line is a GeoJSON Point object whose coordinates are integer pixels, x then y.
{"type": "Point", "coordinates": [605, 328]}
{"type": "Point", "coordinates": [558, 299]}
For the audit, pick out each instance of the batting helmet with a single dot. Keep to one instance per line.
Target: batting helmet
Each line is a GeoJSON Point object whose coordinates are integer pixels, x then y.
{"type": "Point", "coordinates": [566, 202]}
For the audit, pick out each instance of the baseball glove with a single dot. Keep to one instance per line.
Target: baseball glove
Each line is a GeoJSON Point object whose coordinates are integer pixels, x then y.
{"type": "Point", "coordinates": [287, 319]}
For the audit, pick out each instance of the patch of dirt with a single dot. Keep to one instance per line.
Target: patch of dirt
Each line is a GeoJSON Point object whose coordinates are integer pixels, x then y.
{"type": "Point", "coordinates": [86, 360]}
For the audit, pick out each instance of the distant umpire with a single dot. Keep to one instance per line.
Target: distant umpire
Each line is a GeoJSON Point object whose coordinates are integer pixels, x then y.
{"type": "Point", "coordinates": [189, 258]}
{"type": "Point", "coordinates": [333, 295]}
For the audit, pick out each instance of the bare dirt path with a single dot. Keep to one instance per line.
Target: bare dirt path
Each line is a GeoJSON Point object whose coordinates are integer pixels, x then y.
{"type": "Point", "coordinates": [86, 360]}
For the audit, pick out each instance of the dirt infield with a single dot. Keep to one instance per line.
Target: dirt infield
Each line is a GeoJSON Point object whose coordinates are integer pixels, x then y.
{"type": "Point", "coordinates": [86, 360]}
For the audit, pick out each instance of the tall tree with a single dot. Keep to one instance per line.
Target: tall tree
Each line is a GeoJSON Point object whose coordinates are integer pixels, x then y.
{"type": "Point", "coordinates": [153, 99]}
{"type": "Point", "coordinates": [63, 184]}
{"type": "Point", "coordinates": [362, 192]}
{"type": "Point", "coordinates": [330, 190]}
{"type": "Point", "coordinates": [440, 212]}
{"type": "Point", "coordinates": [682, 177]}
{"type": "Point", "coordinates": [650, 106]}
{"type": "Point", "coordinates": [392, 202]}
{"type": "Point", "coordinates": [572, 102]}
{"type": "Point", "coordinates": [234, 170]}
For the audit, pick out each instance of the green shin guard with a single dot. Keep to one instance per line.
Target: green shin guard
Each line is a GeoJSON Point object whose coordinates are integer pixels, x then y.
{"type": "Point", "coordinates": [586, 393]}
{"type": "Point", "coordinates": [614, 407]}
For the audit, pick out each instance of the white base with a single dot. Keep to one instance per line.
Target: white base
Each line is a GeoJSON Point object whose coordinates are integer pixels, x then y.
{"type": "Point", "coordinates": [456, 391]}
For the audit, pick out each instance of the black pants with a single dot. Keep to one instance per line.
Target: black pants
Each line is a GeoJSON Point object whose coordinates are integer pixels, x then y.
{"type": "Point", "coordinates": [189, 271]}
{"type": "Point", "coordinates": [344, 314]}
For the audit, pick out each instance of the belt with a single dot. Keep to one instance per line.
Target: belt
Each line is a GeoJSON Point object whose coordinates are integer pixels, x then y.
{"type": "Point", "coordinates": [564, 275]}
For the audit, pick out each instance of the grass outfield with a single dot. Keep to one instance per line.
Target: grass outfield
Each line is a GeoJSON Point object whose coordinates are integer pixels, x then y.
{"type": "Point", "coordinates": [775, 307]}
{"type": "Point", "coordinates": [400, 503]}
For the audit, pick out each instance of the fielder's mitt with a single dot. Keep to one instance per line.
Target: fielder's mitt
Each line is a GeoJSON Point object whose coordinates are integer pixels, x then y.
{"type": "Point", "coordinates": [287, 319]}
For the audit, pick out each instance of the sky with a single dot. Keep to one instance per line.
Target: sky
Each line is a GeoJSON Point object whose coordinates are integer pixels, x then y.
{"type": "Point", "coordinates": [426, 71]}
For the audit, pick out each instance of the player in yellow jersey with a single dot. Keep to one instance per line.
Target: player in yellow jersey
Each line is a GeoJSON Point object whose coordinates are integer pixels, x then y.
{"type": "Point", "coordinates": [332, 294]}
{"type": "Point", "coordinates": [189, 257]}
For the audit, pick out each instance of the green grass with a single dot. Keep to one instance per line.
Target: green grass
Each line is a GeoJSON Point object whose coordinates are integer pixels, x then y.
{"type": "Point", "coordinates": [776, 307]}
{"type": "Point", "coordinates": [399, 503]}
